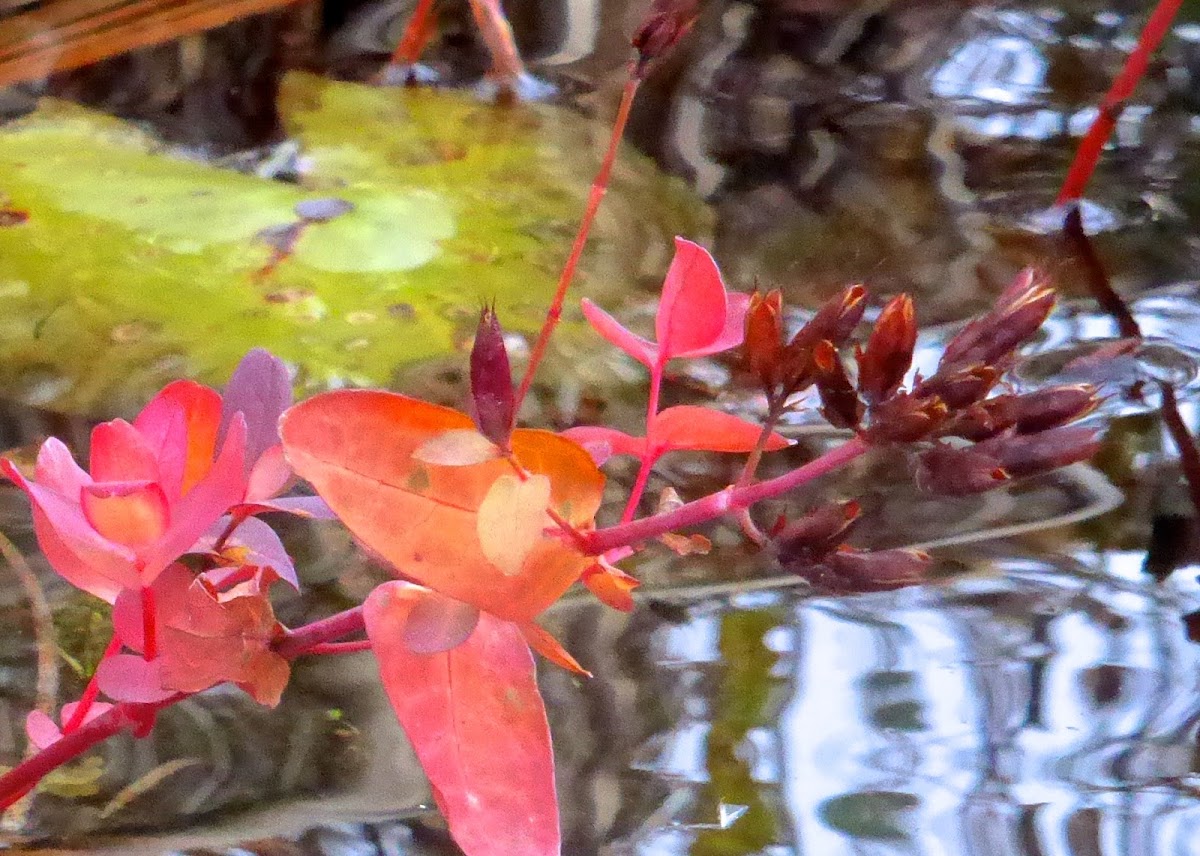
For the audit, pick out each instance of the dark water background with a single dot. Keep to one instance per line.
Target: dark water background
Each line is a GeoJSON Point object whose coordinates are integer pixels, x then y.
{"type": "Point", "coordinates": [1041, 700]}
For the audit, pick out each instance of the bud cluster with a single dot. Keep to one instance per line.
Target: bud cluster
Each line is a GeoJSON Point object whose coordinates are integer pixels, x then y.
{"type": "Point", "coordinates": [812, 546]}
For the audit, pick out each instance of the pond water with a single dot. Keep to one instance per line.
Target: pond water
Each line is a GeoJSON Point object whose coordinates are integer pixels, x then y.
{"type": "Point", "coordinates": [1042, 698]}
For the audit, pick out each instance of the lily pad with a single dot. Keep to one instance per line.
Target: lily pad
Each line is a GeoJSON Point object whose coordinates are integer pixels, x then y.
{"type": "Point", "coordinates": [136, 265]}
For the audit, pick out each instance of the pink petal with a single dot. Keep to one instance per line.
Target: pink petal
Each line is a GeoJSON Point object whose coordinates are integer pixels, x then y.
{"type": "Point", "coordinates": [608, 327]}
{"type": "Point", "coordinates": [120, 453]}
{"type": "Point", "coordinates": [312, 507]}
{"type": "Point", "coordinates": [703, 429]}
{"type": "Point", "coordinates": [57, 470]}
{"type": "Point", "coordinates": [127, 677]}
{"type": "Point", "coordinates": [438, 623]}
{"type": "Point", "coordinates": [269, 475]}
{"type": "Point", "coordinates": [41, 730]}
{"type": "Point", "coordinates": [74, 549]}
{"type": "Point", "coordinates": [256, 544]}
{"type": "Point", "coordinates": [602, 443]}
{"type": "Point", "coordinates": [210, 499]}
{"type": "Point", "coordinates": [180, 424]}
{"type": "Point", "coordinates": [129, 513]}
{"type": "Point", "coordinates": [260, 390]}
{"type": "Point", "coordinates": [734, 331]}
{"type": "Point", "coordinates": [691, 312]}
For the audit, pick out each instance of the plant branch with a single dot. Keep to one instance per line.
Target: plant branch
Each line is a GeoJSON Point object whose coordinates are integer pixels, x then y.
{"type": "Point", "coordinates": [727, 501]}
{"type": "Point", "coordinates": [599, 188]}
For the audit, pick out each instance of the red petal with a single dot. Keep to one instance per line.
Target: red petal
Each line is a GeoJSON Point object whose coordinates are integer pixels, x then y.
{"type": "Point", "coordinates": [602, 443]}
{"type": "Point", "coordinates": [129, 513]}
{"type": "Point", "coordinates": [180, 424]}
{"type": "Point", "coordinates": [702, 429]}
{"type": "Point", "coordinates": [478, 725]}
{"type": "Point", "coordinates": [691, 312]}
{"type": "Point", "coordinates": [127, 677]}
{"type": "Point", "coordinates": [608, 327]}
{"type": "Point", "coordinates": [120, 453]}
{"type": "Point", "coordinates": [540, 640]}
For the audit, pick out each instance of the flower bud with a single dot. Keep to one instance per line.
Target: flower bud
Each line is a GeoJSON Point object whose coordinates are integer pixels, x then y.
{"type": "Point", "coordinates": [763, 346]}
{"type": "Point", "coordinates": [1028, 454]}
{"type": "Point", "coordinates": [1019, 313]}
{"type": "Point", "coordinates": [889, 351]}
{"type": "Point", "coordinates": [834, 322]}
{"type": "Point", "coordinates": [906, 418]}
{"type": "Point", "coordinates": [1057, 405]}
{"type": "Point", "coordinates": [960, 387]}
{"type": "Point", "coordinates": [840, 404]}
{"type": "Point", "coordinates": [879, 570]}
{"type": "Point", "coordinates": [949, 471]}
{"type": "Point", "coordinates": [808, 539]}
{"type": "Point", "coordinates": [667, 22]}
{"type": "Point", "coordinates": [492, 397]}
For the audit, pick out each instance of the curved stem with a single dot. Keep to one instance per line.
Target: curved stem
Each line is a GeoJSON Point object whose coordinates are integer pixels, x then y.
{"type": "Point", "coordinates": [727, 501]}
{"type": "Point", "coordinates": [649, 455]}
{"type": "Point", "coordinates": [599, 188]}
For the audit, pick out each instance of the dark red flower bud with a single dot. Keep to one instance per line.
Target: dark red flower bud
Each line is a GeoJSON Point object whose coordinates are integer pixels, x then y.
{"type": "Point", "coordinates": [906, 418]}
{"type": "Point", "coordinates": [958, 472]}
{"type": "Point", "coordinates": [834, 322]}
{"type": "Point", "coordinates": [763, 346]}
{"type": "Point", "coordinates": [809, 538]}
{"type": "Point", "coordinates": [1019, 313]}
{"type": "Point", "coordinates": [839, 402]}
{"type": "Point", "coordinates": [492, 397]}
{"type": "Point", "coordinates": [667, 22]}
{"type": "Point", "coordinates": [889, 351]}
{"type": "Point", "coordinates": [1057, 405]}
{"type": "Point", "coordinates": [960, 387]}
{"type": "Point", "coordinates": [1029, 454]}
{"type": "Point", "coordinates": [879, 570]}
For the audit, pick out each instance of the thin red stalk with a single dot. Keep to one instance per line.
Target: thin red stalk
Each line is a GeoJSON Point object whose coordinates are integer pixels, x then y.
{"type": "Point", "coordinates": [234, 522]}
{"type": "Point", "coordinates": [301, 640]}
{"type": "Point", "coordinates": [91, 690]}
{"type": "Point", "coordinates": [745, 520]}
{"type": "Point", "coordinates": [416, 35]}
{"type": "Point", "coordinates": [649, 455]}
{"type": "Point", "coordinates": [149, 625]}
{"type": "Point", "coordinates": [599, 188]}
{"type": "Point", "coordinates": [727, 501]}
{"type": "Point", "coordinates": [1122, 87]}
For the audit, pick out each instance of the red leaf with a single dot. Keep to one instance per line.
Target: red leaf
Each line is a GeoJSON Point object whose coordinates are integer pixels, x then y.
{"type": "Point", "coordinates": [478, 725]}
{"type": "Point", "coordinates": [691, 312]}
{"type": "Point", "coordinates": [602, 443]}
{"type": "Point", "coordinates": [702, 429]}
{"type": "Point", "coordinates": [641, 350]}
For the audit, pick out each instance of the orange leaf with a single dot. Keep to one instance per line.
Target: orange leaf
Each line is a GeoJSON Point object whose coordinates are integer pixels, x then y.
{"type": "Point", "coordinates": [356, 448]}
{"type": "Point", "coordinates": [611, 585]}
{"type": "Point", "coordinates": [540, 640]}
{"type": "Point", "coordinates": [511, 520]}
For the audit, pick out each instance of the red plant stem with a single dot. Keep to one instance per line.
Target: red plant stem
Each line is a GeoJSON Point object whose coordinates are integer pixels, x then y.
{"type": "Point", "coordinates": [126, 715]}
{"type": "Point", "coordinates": [340, 647]}
{"type": "Point", "coordinates": [302, 640]}
{"type": "Point", "coordinates": [22, 778]}
{"type": "Point", "coordinates": [1088, 154]}
{"type": "Point", "coordinates": [416, 35]}
{"type": "Point", "coordinates": [91, 690]}
{"type": "Point", "coordinates": [235, 521]}
{"type": "Point", "coordinates": [650, 453]}
{"type": "Point", "coordinates": [149, 625]}
{"type": "Point", "coordinates": [599, 188]}
{"type": "Point", "coordinates": [723, 502]}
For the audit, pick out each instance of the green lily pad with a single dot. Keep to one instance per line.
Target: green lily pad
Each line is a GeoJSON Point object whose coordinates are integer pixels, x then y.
{"type": "Point", "coordinates": [136, 265]}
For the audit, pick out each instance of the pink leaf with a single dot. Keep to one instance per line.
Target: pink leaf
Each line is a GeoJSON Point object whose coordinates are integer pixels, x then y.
{"type": "Point", "coordinates": [702, 429]}
{"type": "Point", "coordinates": [608, 327]}
{"type": "Point", "coordinates": [127, 677]}
{"type": "Point", "coordinates": [478, 725]}
{"type": "Point", "coordinates": [180, 424]}
{"type": "Point", "coordinates": [734, 331]}
{"type": "Point", "coordinates": [57, 470]}
{"type": "Point", "coordinates": [269, 475]}
{"type": "Point", "coordinates": [252, 543]}
{"type": "Point", "coordinates": [602, 443]}
{"type": "Point", "coordinates": [691, 312]}
{"type": "Point", "coordinates": [260, 390]}
{"type": "Point", "coordinates": [437, 623]}
{"type": "Point", "coordinates": [41, 729]}
{"type": "Point", "coordinates": [312, 507]}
